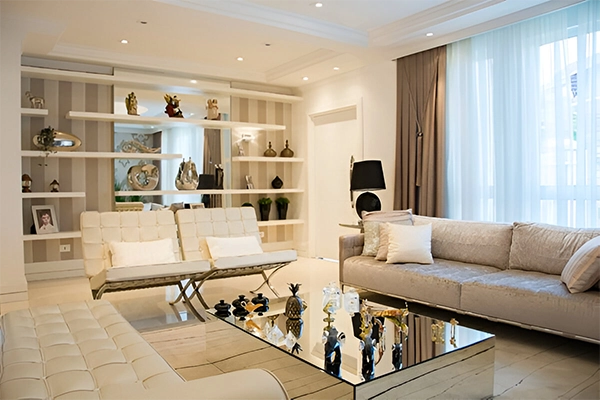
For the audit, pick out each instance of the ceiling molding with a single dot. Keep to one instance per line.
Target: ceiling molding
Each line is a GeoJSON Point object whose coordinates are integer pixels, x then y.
{"type": "Point", "coordinates": [487, 26]}
{"type": "Point", "coordinates": [300, 63]}
{"type": "Point", "coordinates": [276, 18]}
{"type": "Point", "coordinates": [391, 34]}
{"type": "Point", "coordinates": [89, 54]}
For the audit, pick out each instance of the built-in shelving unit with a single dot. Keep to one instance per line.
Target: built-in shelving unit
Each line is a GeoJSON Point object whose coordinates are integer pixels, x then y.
{"type": "Point", "coordinates": [206, 191]}
{"type": "Point", "coordinates": [34, 112]}
{"type": "Point", "coordinates": [53, 236]}
{"type": "Point", "coordinates": [107, 154]}
{"type": "Point", "coordinates": [52, 195]}
{"type": "Point", "coordinates": [169, 122]}
{"type": "Point", "coordinates": [267, 159]}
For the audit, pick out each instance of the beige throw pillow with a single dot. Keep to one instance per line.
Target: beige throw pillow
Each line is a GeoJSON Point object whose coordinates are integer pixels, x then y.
{"type": "Point", "coordinates": [409, 244]}
{"type": "Point", "coordinates": [583, 268]}
{"type": "Point", "coordinates": [371, 226]}
{"type": "Point", "coordinates": [384, 234]}
{"type": "Point", "coordinates": [135, 254]}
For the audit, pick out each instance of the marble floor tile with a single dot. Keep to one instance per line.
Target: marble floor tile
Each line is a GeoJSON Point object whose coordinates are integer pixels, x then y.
{"type": "Point", "coordinates": [528, 364]}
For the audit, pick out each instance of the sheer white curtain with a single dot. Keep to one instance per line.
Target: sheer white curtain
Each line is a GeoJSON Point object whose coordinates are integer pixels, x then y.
{"type": "Point", "coordinates": [190, 143]}
{"type": "Point", "coordinates": [523, 121]}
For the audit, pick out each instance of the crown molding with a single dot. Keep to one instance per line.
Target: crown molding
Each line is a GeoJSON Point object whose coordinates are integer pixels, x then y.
{"type": "Point", "coordinates": [300, 63]}
{"type": "Point", "coordinates": [396, 32]}
{"type": "Point", "coordinates": [246, 11]}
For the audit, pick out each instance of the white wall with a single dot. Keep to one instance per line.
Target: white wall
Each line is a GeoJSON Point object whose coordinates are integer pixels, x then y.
{"type": "Point", "coordinates": [372, 87]}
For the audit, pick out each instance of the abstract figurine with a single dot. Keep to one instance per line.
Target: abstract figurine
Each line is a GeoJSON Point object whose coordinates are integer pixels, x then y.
{"type": "Point", "coordinates": [172, 108]}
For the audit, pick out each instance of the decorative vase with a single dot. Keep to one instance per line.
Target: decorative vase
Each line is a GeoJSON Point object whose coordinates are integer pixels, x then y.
{"type": "Point", "coordinates": [277, 183]}
{"type": "Point", "coordinates": [294, 306]}
{"type": "Point", "coordinates": [270, 152]}
{"type": "Point", "coordinates": [282, 210]}
{"type": "Point", "coordinates": [187, 177]}
{"type": "Point", "coordinates": [260, 299]}
{"type": "Point", "coordinates": [287, 152]}
{"type": "Point", "coordinates": [239, 305]}
{"type": "Point", "coordinates": [222, 309]}
{"type": "Point", "coordinates": [265, 209]}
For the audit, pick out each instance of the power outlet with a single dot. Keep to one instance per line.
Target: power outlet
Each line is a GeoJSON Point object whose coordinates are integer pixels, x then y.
{"type": "Point", "coordinates": [262, 234]}
{"type": "Point", "coordinates": [65, 248]}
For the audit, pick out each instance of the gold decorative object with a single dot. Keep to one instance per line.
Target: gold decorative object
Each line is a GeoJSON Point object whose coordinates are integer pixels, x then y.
{"type": "Point", "coordinates": [212, 109]}
{"type": "Point", "coordinates": [172, 108]}
{"type": "Point", "coordinates": [437, 332]}
{"type": "Point", "coordinates": [50, 140]}
{"type": "Point", "coordinates": [25, 183]}
{"type": "Point", "coordinates": [36, 101]}
{"type": "Point", "coordinates": [187, 177]}
{"type": "Point", "coordinates": [270, 152]}
{"type": "Point", "coordinates": [453, 324]}
{"type": "Point", "coordinates": [131, 104]}
{"type": "Point", "coordinates": [287, 152]}
{"type": "Point", "coordinates": [143, 177]}
{"type": "Point", "coordinates": [134, 146]}
{"type": "Point", "coordinates": [54, 186]}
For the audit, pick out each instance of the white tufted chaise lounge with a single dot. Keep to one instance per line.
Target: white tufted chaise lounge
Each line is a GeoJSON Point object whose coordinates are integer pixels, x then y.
{"type": "Point", "coordinates": [88, 351]}
{"type": "Point", "coordinates": [195, 225]}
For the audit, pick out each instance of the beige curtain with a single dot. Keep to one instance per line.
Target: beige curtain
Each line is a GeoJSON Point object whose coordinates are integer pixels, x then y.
{"type": "Point", "coordinates": [212, 157]}
{"type": "Point", "coordinates": [420, 132]}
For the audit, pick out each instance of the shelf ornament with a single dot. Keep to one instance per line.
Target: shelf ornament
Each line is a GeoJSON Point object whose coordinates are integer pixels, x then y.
{"type": "Point", "coordinates": [51, 141]}
{"type": "Point", "coordinates": [36, 101]}
{"type": "Point", "coordinates": [187, 177]}
{"type": "Point", "coordinates": [172, 108]}
{"type": "Point", "coordinates": [131, 104]}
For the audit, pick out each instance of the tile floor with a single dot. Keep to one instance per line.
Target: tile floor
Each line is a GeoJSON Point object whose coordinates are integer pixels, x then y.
{"type": "Point", "coordinates": [529, 364]}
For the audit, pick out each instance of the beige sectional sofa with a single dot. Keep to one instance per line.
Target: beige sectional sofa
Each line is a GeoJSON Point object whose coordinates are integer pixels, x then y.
{"type": "Point", "coordinates": [504, 272]}
{"type": "Point", "coordinates": [87, 350]}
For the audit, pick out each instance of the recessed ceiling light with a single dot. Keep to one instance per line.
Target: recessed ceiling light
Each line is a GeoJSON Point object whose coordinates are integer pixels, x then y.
{"type": "Point", "coordinates": [142, 22]}
{"type": "Point", "coordinates": [124, 41]}
{"type": "Point", "coordinates": [191, 113]}
{"type": "Point", "coordinates": [305, 78]}
{"type": "Point", "coordinates": [267, 44]}
{"type": "Point", "coordinates": [318, 5]}
{"type": "Point", "coordinates": [240, 58]}
{"type": "Point", "coordinates": [429, 34]}
{"type": "Point", "coordinates": [193, 81]}
{"type": "Point", "coordinates": [336, 68]}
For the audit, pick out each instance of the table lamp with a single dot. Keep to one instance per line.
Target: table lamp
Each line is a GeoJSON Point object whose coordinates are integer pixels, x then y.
{"type": "Point", "coordinates": [367, 175]}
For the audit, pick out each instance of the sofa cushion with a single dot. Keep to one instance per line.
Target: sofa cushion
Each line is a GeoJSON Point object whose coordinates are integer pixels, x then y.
{"type": "Point", "coordinates": [533, 298]}
{"type": "Point", "coordinates": [546, 248]}
{"type": "Point", "coordinates": [130, 254]}
{"type": "Point", "coordinates": [270, 257]}
{"type": "Point", "coordinates": [437, 283]}
{"type": "Point", "coordinates": [232, 246]}
{"type": "Point", "coordinates": [156, 271]}
{"type": "Point", "coordinates": [409, 244]}
{"type": "Point", "coordinates": [372, 222]}
{"type": "Point", "coordinates": [583, 268]}
{"type": "Point", "coordinates": [482, 243]}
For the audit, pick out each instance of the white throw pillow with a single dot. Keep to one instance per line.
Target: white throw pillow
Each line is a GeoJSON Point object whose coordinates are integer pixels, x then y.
{"type": "Point", "coordinates": [409, 244]}
{"type": "Point", "coordinates": [134, 254]}
{"type": "Point", "coordinates": [583, 268]}
{"type": "Point", "coordinates": [371, 227]}
{"type": "Point", "coordinates": [232, 246]}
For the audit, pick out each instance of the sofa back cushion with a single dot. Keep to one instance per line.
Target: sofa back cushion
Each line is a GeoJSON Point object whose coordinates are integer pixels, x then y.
{"type": "Point", "coordinates": [546, 248]}
{"type": "Point", "coordinates": [484, 243]}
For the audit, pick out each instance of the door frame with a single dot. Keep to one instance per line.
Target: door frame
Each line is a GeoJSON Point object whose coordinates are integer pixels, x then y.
{"type": "Point", "coordinates": [332, 108]}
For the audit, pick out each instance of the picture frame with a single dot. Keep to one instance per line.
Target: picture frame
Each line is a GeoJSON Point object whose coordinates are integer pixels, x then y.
{"type": "Point", "coordinates": [249, 183]}
{"type": "Point", "coordinates": [44, 219]}
{"type": "Point", "coordinates": [195, 206]}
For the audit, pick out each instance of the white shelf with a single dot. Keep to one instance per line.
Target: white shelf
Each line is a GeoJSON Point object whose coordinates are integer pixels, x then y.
{"type": "Point", "coordinates": [52, 195]}
{"type": "Point", "coordinates": [206, 191]}
{"type": "Point", "coordinates": [53, 236]}
{"type": "Point", "coordinates": [34, 112]}
{"type": "Point", "coordinates": [159, 83]}
{"type": "Point", "coordinates": [279, 222]}
{"type": "Point", "coordinates": [169, 122]}
{"type": "Point", "coordinates": [93, 154]}
{"type": "Point", "coordinates": [267, 159]}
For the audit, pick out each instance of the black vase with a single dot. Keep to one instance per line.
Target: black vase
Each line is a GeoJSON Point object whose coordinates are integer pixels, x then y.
{"type": "Point", "coordinates": [222, 309]}
{"type": "Point", "coordinates": [282, 210]}
{"type": "Point", "coordinates": [277, 183]}
{"type": "Point", "coordinates": [260, 299]}
{"type": "Point", "coordinates": [265, 209]}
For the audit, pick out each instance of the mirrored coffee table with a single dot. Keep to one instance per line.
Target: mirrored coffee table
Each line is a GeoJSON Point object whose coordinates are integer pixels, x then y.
{"type": "Point", "coordinates": [429, 359]}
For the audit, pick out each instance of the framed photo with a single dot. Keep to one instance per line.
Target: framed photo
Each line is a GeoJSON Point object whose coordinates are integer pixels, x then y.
{"type": "Point", "coordinates": [249, 183]}
{"type": "Point", "coordinates": [194, 206]}
{"type": "Point", "coordinates": [44, 219]}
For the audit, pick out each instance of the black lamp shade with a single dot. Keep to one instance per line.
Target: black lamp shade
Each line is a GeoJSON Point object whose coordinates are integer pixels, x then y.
{"type": "Point", "coordinates": [367, 175]}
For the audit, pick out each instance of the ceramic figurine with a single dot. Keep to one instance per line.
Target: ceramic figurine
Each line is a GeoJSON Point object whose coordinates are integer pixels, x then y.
{"type": "Point", "coordinates": [187, 177]}
{"type": "Point", "coordinates": [54, 186]}
{"type": "Point", "coordinates": [287, 152]}
{"type": "Point", "coordinates": [25, 183]}
{"type": "Point", "coordinates": [333, 352]}
{"type": "Point", "coordinates": [212, 109]}
{"type": "Point", "coordinates": [36, 101]}
{"type": "Point", "coordinates": [172, 108]}
{"type": "Point", "coordinates": [131, 104]}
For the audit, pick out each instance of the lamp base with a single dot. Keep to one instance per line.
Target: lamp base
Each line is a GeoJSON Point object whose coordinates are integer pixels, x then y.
{"type": "Point", "coordinates": [367, 201]}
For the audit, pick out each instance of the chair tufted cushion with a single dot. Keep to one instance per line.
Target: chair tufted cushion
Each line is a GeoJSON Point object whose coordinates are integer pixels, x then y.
{"type": "Point", "coordinates": [72, 351]}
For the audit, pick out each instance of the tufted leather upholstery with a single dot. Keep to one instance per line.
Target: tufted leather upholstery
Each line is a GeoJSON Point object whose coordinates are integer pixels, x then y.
{"type": "Point", "coordinates": [72, 351]}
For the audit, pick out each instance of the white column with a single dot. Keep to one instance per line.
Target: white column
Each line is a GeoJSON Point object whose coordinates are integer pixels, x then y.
{"type": "Point", "coordinates": [13, 285]}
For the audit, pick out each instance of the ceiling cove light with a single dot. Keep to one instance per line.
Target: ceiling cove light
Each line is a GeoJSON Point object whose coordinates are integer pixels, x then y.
{"type": "Point", "coordinates": [240, 58]}
{"type": "Point", "coordinates": [305, 78]}
{"type": "Point", "coordinates": [318, 5]}
{"type": "Point", "coordinates": [429, 34]}
{"type": "Point", "coordinates": [124, 41]}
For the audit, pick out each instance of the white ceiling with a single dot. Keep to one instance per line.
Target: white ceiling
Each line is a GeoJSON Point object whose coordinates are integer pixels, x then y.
{"type": "Point", "coordinates": [204, 37]}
